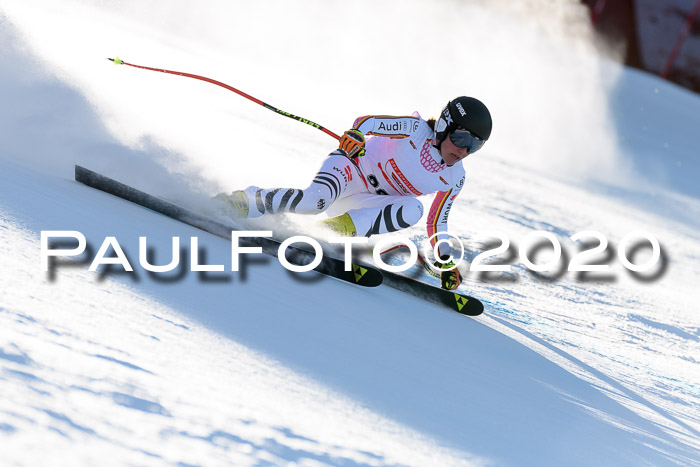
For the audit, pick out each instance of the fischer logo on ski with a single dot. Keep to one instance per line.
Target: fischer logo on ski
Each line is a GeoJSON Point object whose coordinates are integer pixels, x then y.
{"type": "Point", "coordinates": [359, 272]}
{"type": "Point", "coordinates": [461, 301]}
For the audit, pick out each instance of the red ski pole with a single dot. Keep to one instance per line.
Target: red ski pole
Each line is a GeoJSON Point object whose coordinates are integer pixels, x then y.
{"type": "Point", "coordinates": [118, 61]}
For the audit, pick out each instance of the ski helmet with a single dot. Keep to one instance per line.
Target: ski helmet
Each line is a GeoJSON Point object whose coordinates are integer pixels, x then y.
{"type": "Point", "coordinates": [465, 113]}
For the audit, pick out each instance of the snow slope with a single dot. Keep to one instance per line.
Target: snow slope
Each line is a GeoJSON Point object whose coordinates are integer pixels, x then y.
{"type": "Point", "coordinates": [268, 367]}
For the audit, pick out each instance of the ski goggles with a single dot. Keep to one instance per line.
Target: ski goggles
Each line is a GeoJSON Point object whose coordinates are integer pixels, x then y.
{"type": "Point", "coordinates": [464, 139]}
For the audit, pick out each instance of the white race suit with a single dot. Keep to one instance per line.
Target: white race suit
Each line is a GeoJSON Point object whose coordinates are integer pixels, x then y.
{"type": "Point", "coordinates": [378, 190]}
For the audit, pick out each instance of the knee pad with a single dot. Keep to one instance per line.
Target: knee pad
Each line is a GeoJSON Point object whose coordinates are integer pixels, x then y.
{"type": "Point", "coordinates": [398, 215]}
{"type": "Point", "coordinates": [411, 211]}
{"type": "Point", "coordinates": [315, 200]}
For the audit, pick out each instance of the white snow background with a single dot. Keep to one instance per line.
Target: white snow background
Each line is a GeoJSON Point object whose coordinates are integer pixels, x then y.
{"type": "Point", "coordinates": [266, 367]}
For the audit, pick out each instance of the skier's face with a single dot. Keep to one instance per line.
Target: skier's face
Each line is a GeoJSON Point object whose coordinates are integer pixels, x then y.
{"type": "Point", "coordinates": [451, 154]}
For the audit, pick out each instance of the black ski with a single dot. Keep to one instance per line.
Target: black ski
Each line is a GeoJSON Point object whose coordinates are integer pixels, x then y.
{"type": "Point", "coordinates": [361, 274]}
{"type": "Point", "coordinates": [455, 300]}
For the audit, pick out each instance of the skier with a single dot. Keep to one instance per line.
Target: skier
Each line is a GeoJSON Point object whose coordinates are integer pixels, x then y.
{"type": "Point", "coordinates": [370, 187]}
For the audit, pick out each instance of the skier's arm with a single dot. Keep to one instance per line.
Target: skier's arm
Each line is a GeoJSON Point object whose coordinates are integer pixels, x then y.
{"type": "Point", "coordinates": [437, 216]}
{"type": "Point", "coordinates": [450, 277]}
{"type": "Point", "coordinates": [385, 125]}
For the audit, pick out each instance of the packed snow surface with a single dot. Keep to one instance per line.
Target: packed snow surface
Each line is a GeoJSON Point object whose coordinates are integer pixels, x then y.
{"type": "Point", "coordinates": [268, 367]}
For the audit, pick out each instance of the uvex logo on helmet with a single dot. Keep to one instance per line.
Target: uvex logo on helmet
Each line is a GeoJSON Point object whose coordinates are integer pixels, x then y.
{"type": "Point", "coordinates": [462, 112]}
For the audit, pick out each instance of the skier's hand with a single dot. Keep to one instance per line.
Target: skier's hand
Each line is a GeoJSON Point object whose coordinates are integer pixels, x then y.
{"type": "Point", "coordinates": [449, 278]}
{"type": "Point", "coordinates": [353, 143]}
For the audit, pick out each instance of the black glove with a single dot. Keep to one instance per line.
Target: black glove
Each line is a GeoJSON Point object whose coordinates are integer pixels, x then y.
{"type": "Point", "coordinates": [449, 279]}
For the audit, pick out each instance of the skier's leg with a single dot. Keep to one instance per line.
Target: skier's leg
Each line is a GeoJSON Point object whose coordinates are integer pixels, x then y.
{"type": "Point", "coordinates": [336, 177]}
{"type": "Point", "coordinates": [368, 214]}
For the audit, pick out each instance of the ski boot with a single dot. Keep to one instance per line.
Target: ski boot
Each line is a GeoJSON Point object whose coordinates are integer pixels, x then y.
{"type": "Point", "coordinates": [235, 205]}
{"type": "Point", "coordinates": [342, 225]}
